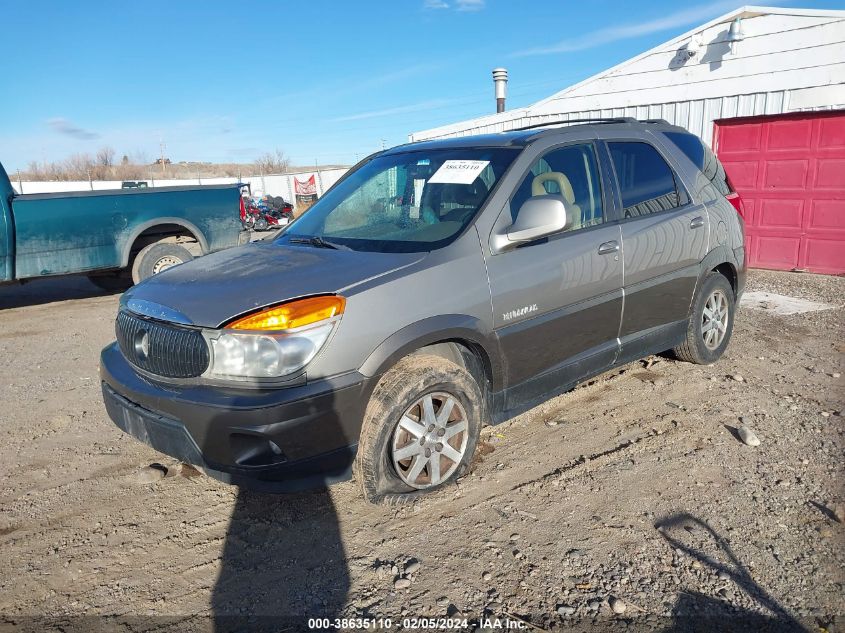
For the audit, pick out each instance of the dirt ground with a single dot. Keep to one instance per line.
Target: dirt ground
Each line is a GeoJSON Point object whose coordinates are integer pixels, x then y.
{"type": "Point", "coordinates": [626, 504]}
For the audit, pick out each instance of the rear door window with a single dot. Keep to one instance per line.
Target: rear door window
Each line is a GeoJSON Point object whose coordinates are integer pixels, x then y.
{"type": "Point", "coordinates": [646, 182]}
{"type": "Point", "coordinates": [702, 157]}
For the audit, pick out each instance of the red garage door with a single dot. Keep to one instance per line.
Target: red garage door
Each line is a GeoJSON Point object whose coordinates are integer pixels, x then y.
{"type": "Point", "coordinates": [790, 171]}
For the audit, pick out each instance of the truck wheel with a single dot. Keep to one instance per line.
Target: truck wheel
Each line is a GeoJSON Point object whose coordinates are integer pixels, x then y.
{"type": "Point", "coordinates": [157, 257]}
{"type": "Point", "coordinates": [711, 322]}
{"type": "Point", "coordinates": [420, 429]}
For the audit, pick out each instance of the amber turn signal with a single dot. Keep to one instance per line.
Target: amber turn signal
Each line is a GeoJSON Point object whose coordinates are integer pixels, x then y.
{"type": "Point", "coordinates": [292, 315]}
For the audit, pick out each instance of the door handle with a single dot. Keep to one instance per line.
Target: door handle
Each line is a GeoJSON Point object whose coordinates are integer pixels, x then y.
{"type": "Point", "coordinates": [609, 247]}
{"type": "Point", "coordinates": [696, 222]}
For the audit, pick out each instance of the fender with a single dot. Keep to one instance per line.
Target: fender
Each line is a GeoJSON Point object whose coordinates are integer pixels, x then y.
{"type": "Point", "coordinates": [719, 255]}
{"type": "Point", "coordinates": [438, 329]}
{"type": "Point", "coordinates": [185, 224]}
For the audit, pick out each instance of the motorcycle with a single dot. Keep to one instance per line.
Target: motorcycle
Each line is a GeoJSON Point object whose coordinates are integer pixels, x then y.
{"type": "Point", "coordinates": [267, 213]}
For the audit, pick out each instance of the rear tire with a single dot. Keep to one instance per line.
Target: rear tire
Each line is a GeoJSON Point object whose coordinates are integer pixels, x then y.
{"type": "Point", "coordinates": [711, 322]}
{"type": "Point", "coordinates": [440, 406]}
{"type": "Point", "coordinates": [158, 257]}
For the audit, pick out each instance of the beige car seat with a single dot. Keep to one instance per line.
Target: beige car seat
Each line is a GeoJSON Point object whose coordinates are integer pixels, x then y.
{"type": "Point", "coordinates": [538, 188]}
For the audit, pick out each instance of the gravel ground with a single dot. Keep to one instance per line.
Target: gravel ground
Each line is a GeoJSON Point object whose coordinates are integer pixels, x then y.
{"type": "Point", "coordinates": [629, 503]}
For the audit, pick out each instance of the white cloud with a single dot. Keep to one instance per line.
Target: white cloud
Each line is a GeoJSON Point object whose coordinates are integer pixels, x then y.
{"type": "Point", "coordinates": [469, 5]}
{"type": "Point", "coordinates": [373, 114]}
{"type": "Point", "coordinates": [611, 34]}
{"type": "Point", "coordinates": [459, 5]}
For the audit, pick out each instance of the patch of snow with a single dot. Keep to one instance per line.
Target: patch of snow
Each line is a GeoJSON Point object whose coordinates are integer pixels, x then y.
{"type": "Point", "coordinates": [780, 304]}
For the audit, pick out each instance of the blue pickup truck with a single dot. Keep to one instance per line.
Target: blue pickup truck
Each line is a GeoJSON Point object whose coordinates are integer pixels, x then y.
{"type": "Point", "coordinates": [114, 236]}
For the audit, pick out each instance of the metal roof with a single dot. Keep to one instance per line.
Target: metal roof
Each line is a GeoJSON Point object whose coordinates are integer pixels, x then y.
{"type": "Point", "coordinates": [692, 105]}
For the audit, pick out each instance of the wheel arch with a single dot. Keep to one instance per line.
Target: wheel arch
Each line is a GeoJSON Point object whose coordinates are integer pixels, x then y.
{"type": "Point", "coordinates": [721, 260]}
{"type": "Point", "coordinates": [169, 226]}
{"type": "Point", "coordinates": [728, 270]}
{"type": "Point", "coordinates": [459, 338]}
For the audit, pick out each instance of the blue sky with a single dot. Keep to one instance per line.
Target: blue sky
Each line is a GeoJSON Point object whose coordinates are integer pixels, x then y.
{"type": "Point", "coordinates": [320, 80]}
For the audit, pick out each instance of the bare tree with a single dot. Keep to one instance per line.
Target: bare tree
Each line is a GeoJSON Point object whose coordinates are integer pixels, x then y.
{"type": "Point", "coordinates": [272, 163]}
{"type": "Point", "coordinates": [135, 165]}
{"type": "Point", "coordinates": [78, 167]}
{"type": "Point", "coordinates": [34, 171]}
{"type": "Point", "coordinates": [105, 157]}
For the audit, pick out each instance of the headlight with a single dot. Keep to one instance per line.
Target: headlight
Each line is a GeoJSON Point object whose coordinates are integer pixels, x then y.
{"type": "Point", "coordinates": [274, 342]}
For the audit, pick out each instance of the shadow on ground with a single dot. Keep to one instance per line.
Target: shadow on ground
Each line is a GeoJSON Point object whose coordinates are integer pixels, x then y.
{"type": "Point", "coordinates": [41, 291]}
{"type": "Point", "coordinates": [696, 612]}
{"type": "Point", "coordinates": [283, 563]}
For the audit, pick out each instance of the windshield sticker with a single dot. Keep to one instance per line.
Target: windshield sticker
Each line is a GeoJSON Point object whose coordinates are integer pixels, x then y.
{"type": "Point", "coordinates": [459, 172]}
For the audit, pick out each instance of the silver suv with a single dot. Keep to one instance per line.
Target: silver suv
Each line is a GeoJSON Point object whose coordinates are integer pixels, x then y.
{"type": "Point", "coordinates": [438, 287]}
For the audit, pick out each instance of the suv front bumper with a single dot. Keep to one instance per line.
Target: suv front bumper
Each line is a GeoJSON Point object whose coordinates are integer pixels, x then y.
{"type": "Point", "coordinates": [286, 439]}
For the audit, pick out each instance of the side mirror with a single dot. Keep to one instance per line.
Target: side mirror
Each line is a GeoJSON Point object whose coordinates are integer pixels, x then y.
{"type": "Point", "coordinates": [539, 216]}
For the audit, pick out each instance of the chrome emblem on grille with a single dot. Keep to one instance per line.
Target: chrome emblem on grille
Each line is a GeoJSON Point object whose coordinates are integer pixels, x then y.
{"type": "Point", "coordinates": [142, 344]}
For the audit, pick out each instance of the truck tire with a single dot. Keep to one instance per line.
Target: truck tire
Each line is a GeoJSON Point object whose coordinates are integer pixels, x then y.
{"type": "Point", "coordinates": [711, 322]}
{"type": "Point", "coordinates": [420, 429]}
{"type": "Point", "coordinates": [157, 257]}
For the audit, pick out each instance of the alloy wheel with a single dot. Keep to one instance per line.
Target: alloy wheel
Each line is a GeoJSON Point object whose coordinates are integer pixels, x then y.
{"type": "Point", "coordinates": [714, 320]}
{"type": "Point", "coordinates": [430, 440]}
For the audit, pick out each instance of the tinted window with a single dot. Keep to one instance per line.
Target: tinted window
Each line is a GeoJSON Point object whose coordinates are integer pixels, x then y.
{"type": "Point", "coordinates": [405, 202]}
{"type": "Point", "coordinates": [646, 182]}
{"type": "Point", "coordinates": [572, 168]}
{"type": "Point", "coordinates": [703, 158]}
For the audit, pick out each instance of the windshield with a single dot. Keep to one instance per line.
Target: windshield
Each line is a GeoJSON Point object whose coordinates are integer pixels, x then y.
{"type": "Point", "coordinates": [409, 202]}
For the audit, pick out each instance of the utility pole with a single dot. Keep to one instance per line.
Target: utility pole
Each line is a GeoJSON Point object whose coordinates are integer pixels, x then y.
{"type": "Point", "coordinates": [163, 147]}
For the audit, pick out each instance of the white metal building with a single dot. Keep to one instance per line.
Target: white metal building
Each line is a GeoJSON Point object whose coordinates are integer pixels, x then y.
{"type": "Point", "coordinates": [763, 86]}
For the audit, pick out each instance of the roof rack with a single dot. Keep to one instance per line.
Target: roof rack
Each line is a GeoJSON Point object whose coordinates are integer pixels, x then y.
{"type": "Point", "coordinates": [623, 119]}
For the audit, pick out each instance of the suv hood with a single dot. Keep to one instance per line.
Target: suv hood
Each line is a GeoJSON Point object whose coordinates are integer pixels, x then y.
{"type": "Point", "coordinates": [214, 289]}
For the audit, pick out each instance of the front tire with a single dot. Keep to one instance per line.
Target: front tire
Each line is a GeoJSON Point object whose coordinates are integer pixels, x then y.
{"type": "Point", "coordinates": [420, 430]}
{"type": "Point", "coordinates": [711, 322]}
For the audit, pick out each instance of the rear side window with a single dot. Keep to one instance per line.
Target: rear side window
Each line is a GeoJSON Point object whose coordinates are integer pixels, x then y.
{"type": "Point", "coordinates": [702, 157]}
{"type": "Point", "coordinates": [646, 181]}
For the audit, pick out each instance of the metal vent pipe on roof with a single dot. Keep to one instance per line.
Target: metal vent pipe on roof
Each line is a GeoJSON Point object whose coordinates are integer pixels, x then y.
{"type": "Point", "coordinates": [500, 80]}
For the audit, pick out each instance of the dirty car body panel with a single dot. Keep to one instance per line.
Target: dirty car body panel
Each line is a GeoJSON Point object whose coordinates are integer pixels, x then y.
{"type": "Point", "coordinates": [77, 232]}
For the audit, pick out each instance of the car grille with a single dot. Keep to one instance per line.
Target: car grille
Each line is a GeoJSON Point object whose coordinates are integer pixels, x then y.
{"type": "Point", "coordinates": [161, 348]}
